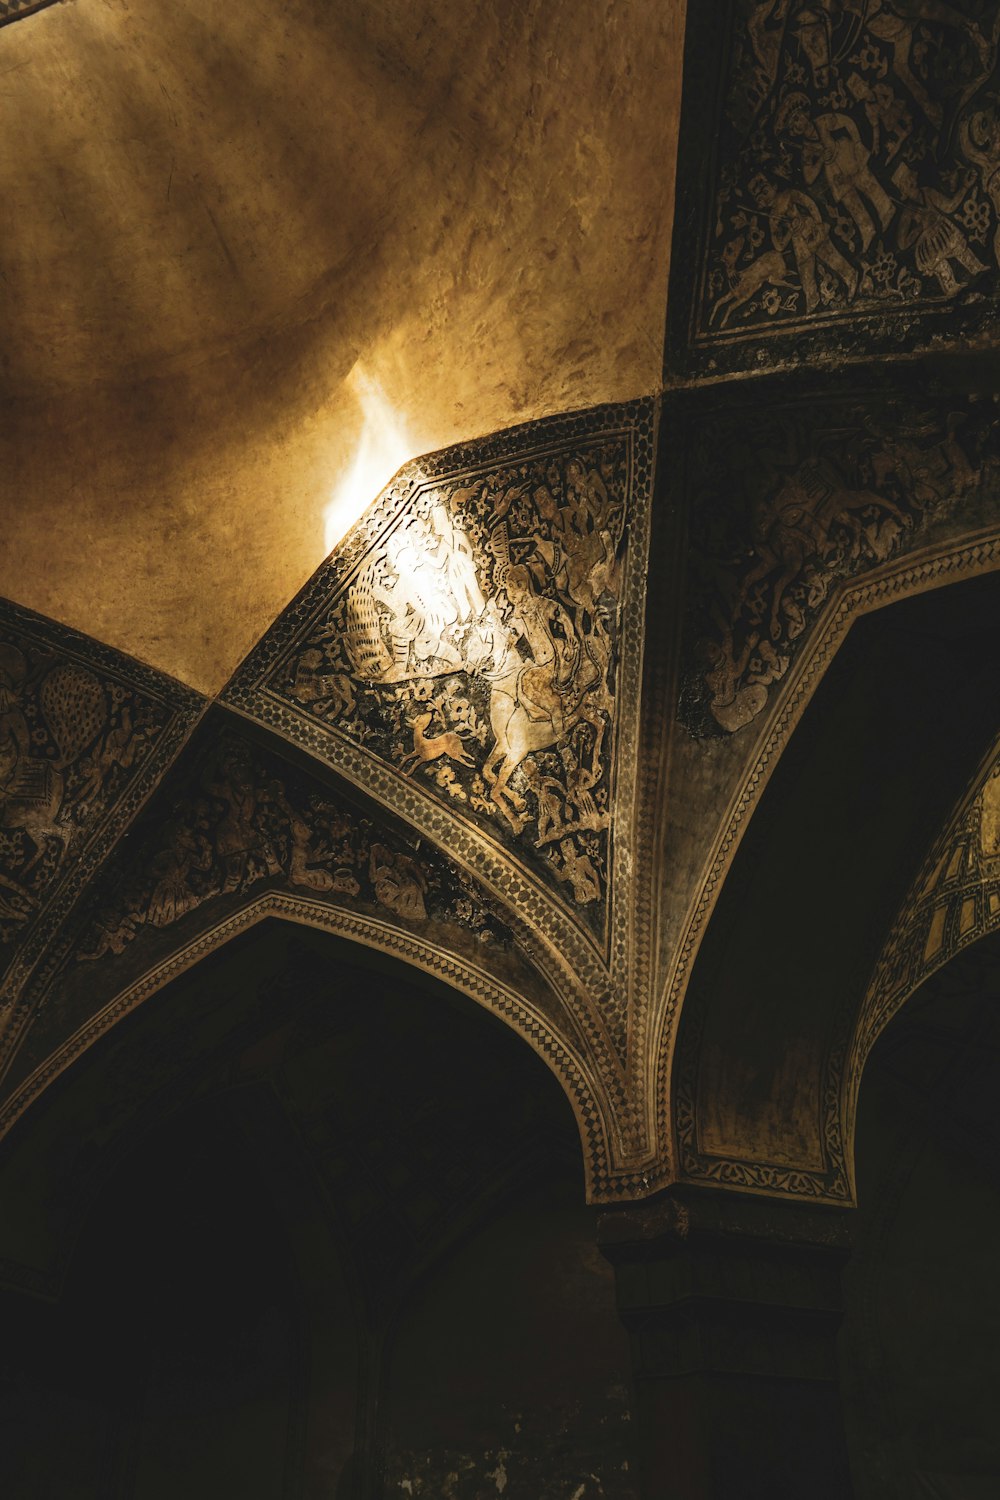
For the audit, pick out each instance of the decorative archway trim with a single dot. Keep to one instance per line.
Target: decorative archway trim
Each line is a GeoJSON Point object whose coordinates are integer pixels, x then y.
{"type": "Point", "coordinates": [590, 1108]}
{"type": "Point", "coordinates": [679, 1157]}
{"type": "Point", "coordinates": [953, 903]}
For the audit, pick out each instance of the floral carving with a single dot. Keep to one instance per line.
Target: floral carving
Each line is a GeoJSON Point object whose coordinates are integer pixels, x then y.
{"type": "Point", "coordinates": [474, 647]}
{"type": "Point", "coordinates": [815, 495]}
{"type": "Point", "coordinates": [73, 737]}
{"type": "Point", "coordinates": [243, 821]}
{"type": "Point", "coordinates": [858, 163]}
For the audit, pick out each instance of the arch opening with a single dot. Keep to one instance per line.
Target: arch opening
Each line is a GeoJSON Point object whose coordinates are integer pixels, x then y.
{"type": "Point", "coordinates": [232, 1225]}
{"type": "Point", "coordinates": [922, 1310]}
{"type": "Point", "coordinates": [898, 725]}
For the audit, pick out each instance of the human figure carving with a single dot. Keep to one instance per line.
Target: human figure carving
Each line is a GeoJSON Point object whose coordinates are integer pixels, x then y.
{"type": "Point", "coordinates": [514, 583]}
{"type": "Point", "coordinates": [894, 24]}
{"type": "Point", "coordinates": [886, 114]}
{"type": "Point", "coordinates": [237, 835]}
{"type": "Point", "coordinates": [549, 795]}
{"type": "Point", "coordinates": [578, 869]}
{"type": "Point", "coordinates": [535, 703]}
{"type": "Point", "coordinates": [399, 882]}
{"type": "Point", "coordinates": [832, 146]}
{"type": "Point", "coordinates": [797, 225]}
{"type": "Point", "coordinates": [828, 31]}
{"type": "Point", "coordinates": [796, 525]}
{"type": "Point", "coordinates": [580, 782]}
{"type": "Point", "coordinates": [929, 475]}
{"type": "Point", "coordinates": [766, 26]}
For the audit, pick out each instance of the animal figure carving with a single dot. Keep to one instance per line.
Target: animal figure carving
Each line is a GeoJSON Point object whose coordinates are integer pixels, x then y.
{"type": "Point", "coordinates": [328, 694]}
{"type": "Point", "coordinates": [427, 749]}
{"type": "Point", "coordinates": [769, 269]}
{"type": "Point", "coordinates": [478, 630]}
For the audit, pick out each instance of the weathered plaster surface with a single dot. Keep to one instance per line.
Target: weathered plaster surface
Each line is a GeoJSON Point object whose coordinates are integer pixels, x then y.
{"type": "Point", "coordinates": [215, 214]}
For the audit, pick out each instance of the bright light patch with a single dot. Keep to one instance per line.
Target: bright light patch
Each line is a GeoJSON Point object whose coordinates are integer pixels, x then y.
{"type": "Point", "coordinates": [383, 449]}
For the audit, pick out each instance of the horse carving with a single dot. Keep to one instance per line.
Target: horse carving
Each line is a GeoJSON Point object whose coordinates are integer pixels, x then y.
{"type": "Point", "coordinates": [536, 704]}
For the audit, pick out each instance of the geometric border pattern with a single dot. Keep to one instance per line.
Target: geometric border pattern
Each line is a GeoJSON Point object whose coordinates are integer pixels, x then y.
{"type": "Point", "coordinates": [597, 988]}
{"type": "Point", "coordinates": [16, 10]}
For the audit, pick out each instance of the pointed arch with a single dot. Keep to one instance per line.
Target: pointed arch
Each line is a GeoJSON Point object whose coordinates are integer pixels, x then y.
{"type": "Point", "coordinates": [590, 1107]}
{"type": "Point", "coordinates": [762, 1059]}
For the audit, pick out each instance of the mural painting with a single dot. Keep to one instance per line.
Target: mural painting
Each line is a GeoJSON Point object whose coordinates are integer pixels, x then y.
{"type": "Point", "coordinates": [857, 169]}
{"type": "Point", "coordinates": [473, 642]}
{"type": "Point", "coordinates": [814, 495]}
{"type": "Point", "coordinates": [78, 739]}
{"type": "Point", "coordinates": [236, 834]}
{"type": "Point", "coordinates": [246, 819]}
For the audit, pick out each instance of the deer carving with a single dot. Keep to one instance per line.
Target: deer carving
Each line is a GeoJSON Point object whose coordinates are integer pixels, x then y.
{"type": "Point", "coordinates": [425, 750]}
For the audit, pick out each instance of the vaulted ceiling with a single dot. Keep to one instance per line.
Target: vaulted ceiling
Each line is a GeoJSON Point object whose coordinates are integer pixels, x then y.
{"type": "Point", "coordinates": [519, 721]}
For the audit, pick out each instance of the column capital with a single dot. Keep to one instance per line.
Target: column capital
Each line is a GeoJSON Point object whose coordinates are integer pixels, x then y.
{"type": "Point", "coordinates": [733, 1303]}
{"type": "Point", "coordinates": [684, 1216]}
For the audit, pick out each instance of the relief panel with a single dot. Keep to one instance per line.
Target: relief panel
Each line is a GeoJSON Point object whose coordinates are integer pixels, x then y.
{"type": "Point", "coordinates": [243, 819]}
{"type": "Point", "coordinates": [470, 634]}
{"type": "Point", "coordinates": [84, 735]}
{"type": "Point", "coordinates": [854, 181]}
{"type": "Point", "coordinates": [230, 823]}
{"type": "Point", "coordinates": [790, 500]}
{"type": "Point", "coordinates": [236, 833]}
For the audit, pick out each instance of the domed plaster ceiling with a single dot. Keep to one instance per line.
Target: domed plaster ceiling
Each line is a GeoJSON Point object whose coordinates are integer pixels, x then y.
{"type": "Point", "coordinates": [257, 251]}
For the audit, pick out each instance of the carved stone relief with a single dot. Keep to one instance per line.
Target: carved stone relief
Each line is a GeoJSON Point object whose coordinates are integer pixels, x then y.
{"type": "Point", "coordinates": [470, 662]}
{"type": "Point", "coordinates": [955, 557]}
{"type": "Point", "coordinates": [776, 544]}
{"type": "Point", "coordinates": [244, 820]}
{"type": "Point", "coordinates": [84, 734]}
{"type": "Point", "coordinates": [470, 636]}
{"type": "Point", "coordinates": [856, 172]}
{"type": "Point", "coordinates": [235, 833]}
{"type": "Point", "coordinates": [790, 502]}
